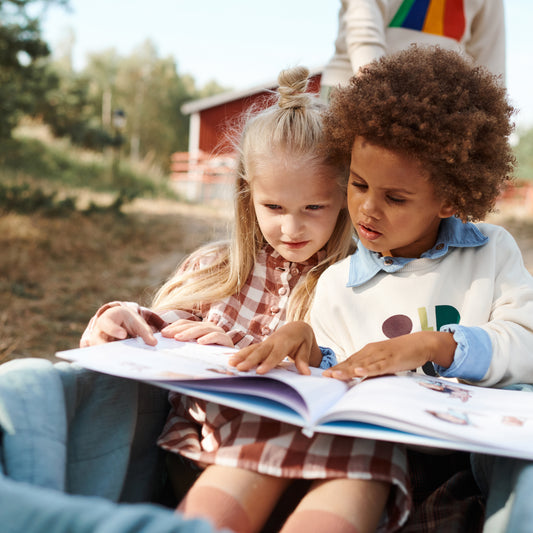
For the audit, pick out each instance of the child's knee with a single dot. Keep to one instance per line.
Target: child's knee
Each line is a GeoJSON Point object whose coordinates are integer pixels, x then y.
{"type": "Point", "coordinates": [317, 521]}
{"type": "Point", "coordinates": [220, 508]}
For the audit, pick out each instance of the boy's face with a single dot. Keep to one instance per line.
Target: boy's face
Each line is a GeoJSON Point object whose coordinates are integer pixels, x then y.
{"type": "Point", "coordinates": [392, 203]}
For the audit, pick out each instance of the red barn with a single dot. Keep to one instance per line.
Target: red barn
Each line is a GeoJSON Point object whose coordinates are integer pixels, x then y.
{"type": "Point", "coordinates": [204, 172]}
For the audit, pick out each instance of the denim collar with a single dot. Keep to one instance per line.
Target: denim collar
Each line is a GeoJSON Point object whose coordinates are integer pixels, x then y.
{"type": "Point", "coordinates": [453, 233]}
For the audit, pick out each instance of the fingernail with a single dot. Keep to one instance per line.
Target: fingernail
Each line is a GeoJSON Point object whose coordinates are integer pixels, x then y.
{"type": "Point", "coordinates": [337, 373]}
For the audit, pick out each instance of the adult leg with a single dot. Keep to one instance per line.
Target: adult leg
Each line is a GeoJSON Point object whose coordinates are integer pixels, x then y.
{"type": "Point", "coordinates": [508, 483]}
{"type": "Point", "coordinates": [340, 505]}
{"type": "Point", "coordinates": [233, 498]}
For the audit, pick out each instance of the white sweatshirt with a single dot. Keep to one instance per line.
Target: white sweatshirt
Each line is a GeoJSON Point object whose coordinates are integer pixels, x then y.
{"type": "Point", "coordinates": [484, 288]}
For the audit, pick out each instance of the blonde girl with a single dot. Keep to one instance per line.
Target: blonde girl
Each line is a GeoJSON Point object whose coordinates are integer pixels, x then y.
{"type": "Point", "coordinates": [290, 224]}
{"type": "Point", "coordinates": [217, 271]}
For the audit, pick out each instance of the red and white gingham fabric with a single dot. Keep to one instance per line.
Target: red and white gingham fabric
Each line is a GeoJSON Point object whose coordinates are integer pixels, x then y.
{"type": "Point", "coordinates": [248, 316]}
{"type": "Point", "coordinates": [212, 434]}
{"type": "Point", "coordinates": [260, 307]}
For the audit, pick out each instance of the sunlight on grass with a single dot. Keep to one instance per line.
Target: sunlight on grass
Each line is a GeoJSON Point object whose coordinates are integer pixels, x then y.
{"type": "Point", "coordinates": [56, 272]}
{"type": "Point", "coordinates": [34, 156]}
{"type": "Point", "coordinates": [58, 266]}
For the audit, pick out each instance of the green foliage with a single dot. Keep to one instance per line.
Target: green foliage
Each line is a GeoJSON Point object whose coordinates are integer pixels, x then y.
{"type": "Point", "coordinates": [524, 155]}
{"type": "Point", "coordinates": [23, 77]}
{"type": "Point", "coordinates": [28, 200]}
{"type": "Point", "coordinates": [32, 173]}
{"type": "Point", "coordinates": [146, 87]}
{"type": "Point", "coordinates": [80, 105]}
{"type": "Point", "coordinates": [68, 112]}
{"type": "Point", "coordinates": [150, 92]}
{"type": "Point", "coordinates": [30, 157]}
{"type": "Point", "coordinates": [61, 165]}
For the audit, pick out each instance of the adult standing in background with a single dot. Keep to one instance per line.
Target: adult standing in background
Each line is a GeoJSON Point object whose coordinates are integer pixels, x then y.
{"type": "Point", "coordinates": [369, 29]}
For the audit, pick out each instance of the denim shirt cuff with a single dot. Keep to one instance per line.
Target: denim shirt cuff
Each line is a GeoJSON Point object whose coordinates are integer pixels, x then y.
{"type": "Point", "coordinates": [470, 341]}
{"type": "Point", "coordinates": [328, 358]}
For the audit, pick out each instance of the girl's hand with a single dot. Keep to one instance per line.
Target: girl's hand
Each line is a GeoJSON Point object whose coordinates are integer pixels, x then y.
{"type": "Point", "coordinates": [201, 332]}
{"type": "Point", "coordinates": [295, 340]}
{"type": "Point", "coordinates": [118, 323]}
{"type": "Point", "coordinates": [396, 355]}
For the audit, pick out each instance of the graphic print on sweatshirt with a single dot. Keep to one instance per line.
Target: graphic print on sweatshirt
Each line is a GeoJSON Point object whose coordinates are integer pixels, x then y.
{"type": "Point", "coordinates": [438, 17]}
{"type": "Point", "coordinates": [397, 325]}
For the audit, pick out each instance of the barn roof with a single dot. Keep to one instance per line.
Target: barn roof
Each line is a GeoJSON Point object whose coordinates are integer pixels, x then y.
{"type": "Point", "coordinates": [229, 96]}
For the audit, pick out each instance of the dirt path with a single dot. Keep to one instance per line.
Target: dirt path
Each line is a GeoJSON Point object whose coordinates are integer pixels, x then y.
{"type": "Point", "coordinates": [202, 224]}
{"type": "Point", "coordinates": [56, 272]}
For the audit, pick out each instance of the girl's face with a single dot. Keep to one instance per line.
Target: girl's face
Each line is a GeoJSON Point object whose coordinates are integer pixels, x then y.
{"type": "Point", "coordinates": [297, 203]}
{"type": "Point", "coordinates": [392, 203]}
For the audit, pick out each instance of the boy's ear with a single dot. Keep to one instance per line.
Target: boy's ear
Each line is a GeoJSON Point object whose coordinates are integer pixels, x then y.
{"type": "Point", "coordinates": [446, 211]}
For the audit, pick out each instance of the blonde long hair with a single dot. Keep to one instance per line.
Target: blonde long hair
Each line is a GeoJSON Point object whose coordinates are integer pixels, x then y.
{"type": "Point", "coordinates": [293, 123]}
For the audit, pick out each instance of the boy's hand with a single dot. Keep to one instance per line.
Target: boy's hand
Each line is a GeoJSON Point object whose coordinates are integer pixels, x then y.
{"type": "Point", "coordinates": [201, 332]}
{"type": "Point", "coordinates": [118, 323]}
{"type": "Point", "coordinates": [295, 340]}
{"type": "Point", "coordinates": [396, 355]}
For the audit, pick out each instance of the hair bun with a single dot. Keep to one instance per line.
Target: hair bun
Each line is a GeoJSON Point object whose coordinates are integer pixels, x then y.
{"type": "Point", "coordinates": [292, 87]}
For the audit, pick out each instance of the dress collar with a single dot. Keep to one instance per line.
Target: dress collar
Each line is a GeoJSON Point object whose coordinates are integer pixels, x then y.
{"type": "Point", "coordinates": [453, 233]}
{"type": "Point", "coordinates": [276, 260]}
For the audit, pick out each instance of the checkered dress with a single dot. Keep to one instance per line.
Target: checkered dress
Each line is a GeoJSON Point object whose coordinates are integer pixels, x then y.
{"type": "Point", "coordinates": [212, 434]}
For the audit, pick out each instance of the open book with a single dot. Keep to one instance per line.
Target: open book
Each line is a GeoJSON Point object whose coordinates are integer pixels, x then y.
{"type": "Point", "coordinates": [407, 408]}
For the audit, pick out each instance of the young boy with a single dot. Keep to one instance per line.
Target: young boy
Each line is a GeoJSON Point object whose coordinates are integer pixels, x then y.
{"type": "Point", "coordinates": [426, 133]}
{"type": "Point", "coordinates": [427, 136]}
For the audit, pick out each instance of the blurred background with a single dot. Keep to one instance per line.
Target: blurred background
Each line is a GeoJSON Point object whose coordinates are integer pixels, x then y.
{"type": "Point", "coordinates": [113, 156]}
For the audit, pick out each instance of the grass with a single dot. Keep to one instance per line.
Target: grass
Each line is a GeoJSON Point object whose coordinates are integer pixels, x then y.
{"type": "Point", "coordinates": [67, 249]}
{"type": "Point", "coordinates": [62, 259]}
{"type": "Point", "coordinates": [34, 157]}
{"type": "Point", "coordinates": [55, 272]}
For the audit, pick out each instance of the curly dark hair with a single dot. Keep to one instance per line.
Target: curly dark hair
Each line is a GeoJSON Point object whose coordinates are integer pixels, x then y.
{"type": "Point", "coordinates": [436, 107]}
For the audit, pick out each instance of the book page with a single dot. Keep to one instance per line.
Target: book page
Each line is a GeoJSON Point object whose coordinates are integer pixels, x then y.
{"type": "Point", "coordinates": [409, 408]}
{"type": "Point", "coordinates": [436, 407]}
{"type": "Point", "coordinates": [204, 368]}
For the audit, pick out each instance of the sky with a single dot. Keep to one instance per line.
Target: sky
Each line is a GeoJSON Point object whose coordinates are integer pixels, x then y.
{"type": "Point", "coordinates": [245, 43]}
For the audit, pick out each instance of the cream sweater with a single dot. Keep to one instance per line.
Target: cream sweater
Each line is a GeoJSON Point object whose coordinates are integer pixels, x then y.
{"type": "Point", "coordinates": [369, 29]}
{"type": "Point", "coordinates": [484, 287]}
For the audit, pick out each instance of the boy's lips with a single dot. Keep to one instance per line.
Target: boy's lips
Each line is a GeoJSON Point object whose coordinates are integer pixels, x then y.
{"type": "Point", "coordinates": [367, 232]}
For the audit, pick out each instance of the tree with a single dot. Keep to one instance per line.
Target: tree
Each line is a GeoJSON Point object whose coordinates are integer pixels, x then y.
{"type": "Point", "coordinates": [101, 69]}
{"type": "Point", "coordinates": [147, 88]}
{"type": "Point", "coordinates": [70, 112]}
{"type": "Point", "coordinates": [24, 78]}
{"type": "Point", "coordinates": [151, 92]}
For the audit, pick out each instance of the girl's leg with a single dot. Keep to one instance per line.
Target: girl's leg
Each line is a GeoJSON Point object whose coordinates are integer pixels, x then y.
{"type": "Point", "coordinates": [340, 505]}
{"type": "Point", "coordinates": [233, 498]}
